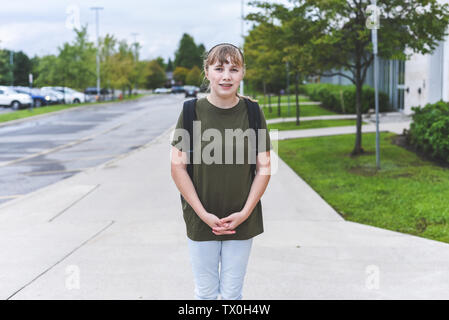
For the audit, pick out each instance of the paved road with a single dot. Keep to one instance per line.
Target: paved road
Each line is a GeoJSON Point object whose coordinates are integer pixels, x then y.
{"type": "Point", "coordinates": [39, 152]}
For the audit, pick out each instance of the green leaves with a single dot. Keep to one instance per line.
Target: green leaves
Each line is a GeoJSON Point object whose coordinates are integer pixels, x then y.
{"type": "Point", "coordinates": [188, 53]}
{"type": "Point", "coordinates": [429, 130]}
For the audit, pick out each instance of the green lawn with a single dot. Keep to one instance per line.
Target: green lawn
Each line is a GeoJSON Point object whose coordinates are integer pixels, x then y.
{"type": "Point", "coordinates": [305, 111]}
{"type": "Point", "coordinates": [407, 194]}
{"type": "Point", "coordinates": [310, 124]}
{"type": "Point", "coordinates": [25, 113]}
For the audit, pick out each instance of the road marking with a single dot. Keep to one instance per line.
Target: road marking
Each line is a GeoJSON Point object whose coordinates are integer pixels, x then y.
{"type": "Point", "coordinates": [75, 159]}
{"type": "Point", "coordinates": [7, 163]}
{"type": "Point", "coordinates": [11, 196]}
{"type": "Point", "coordinates": [37, 173]}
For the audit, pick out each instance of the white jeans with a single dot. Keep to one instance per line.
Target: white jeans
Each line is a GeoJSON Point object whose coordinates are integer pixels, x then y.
{"type": "Point", "coordinates": [206, 256]}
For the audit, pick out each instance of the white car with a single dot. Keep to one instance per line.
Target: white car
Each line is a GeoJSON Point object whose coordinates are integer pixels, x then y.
{"type": "Point", "coordinates": [162, 90]}
{"type": "Point", "coordinates": [10, 98]}
{"type": "Point", "coordinates": [53, 92]}
{"type": "Point", "coordinates": [70, 95]}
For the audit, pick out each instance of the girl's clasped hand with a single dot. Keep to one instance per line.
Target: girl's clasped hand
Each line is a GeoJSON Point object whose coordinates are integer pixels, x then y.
{"type": "Point", "coordinates": [225, 225]}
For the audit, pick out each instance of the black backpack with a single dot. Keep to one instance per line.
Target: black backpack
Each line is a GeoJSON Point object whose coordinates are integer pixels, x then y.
{"type": "Point", "coordinates": [189, 115]}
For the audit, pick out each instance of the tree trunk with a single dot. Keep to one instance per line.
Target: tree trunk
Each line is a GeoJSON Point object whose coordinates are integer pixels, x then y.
{"type": "Point", "coordinates": [264, 93]}
{"type": "Point", "coordinates": [269, 103]}
{"type": "Point", "coordinates": [279, 104]}
{"type": "Point", "coordinates": [358, 107]}
{"type": "Point", "coordinates": [297, 97]}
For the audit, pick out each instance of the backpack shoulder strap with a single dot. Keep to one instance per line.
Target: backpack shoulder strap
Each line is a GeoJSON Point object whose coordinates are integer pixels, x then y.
{"type": "Point", "coordinates": [189, 115]}
{"type": "Point", "coordinates": [254, 123]}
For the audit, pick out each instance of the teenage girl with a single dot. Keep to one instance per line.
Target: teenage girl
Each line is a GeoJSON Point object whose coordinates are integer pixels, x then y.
{"type": "Point", "coordinates": [221, 205]}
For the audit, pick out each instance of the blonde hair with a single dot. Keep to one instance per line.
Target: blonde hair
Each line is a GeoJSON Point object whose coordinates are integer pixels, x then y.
{"type": "Point", "coordinates": [221, 52]}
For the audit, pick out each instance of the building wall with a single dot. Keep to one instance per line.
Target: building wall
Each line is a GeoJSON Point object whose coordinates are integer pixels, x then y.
{"type": "Point", "coordinates": [416, 82]}
{"type": "Point", "coordinates": [427, 76]}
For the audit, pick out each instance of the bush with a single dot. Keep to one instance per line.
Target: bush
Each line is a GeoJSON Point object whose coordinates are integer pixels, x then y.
{"type": "Point", "coordinates": [341, 98]}
{"type": "Point", "coordinates": [429, 130]}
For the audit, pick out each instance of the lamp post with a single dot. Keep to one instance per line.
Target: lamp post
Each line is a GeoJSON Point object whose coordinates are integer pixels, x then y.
{"type": "Point", "coordinates": [373, 24]}
{"type": "Point", "coordinates": [11, 64]}
{"type": "Point", "coordinates": [98, 48]}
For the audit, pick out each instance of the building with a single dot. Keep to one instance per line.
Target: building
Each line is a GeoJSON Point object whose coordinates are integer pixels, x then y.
{"type": "Point", "coordinates": [420, 80]}
{"type": "Point", "coordinates": [427, 76]}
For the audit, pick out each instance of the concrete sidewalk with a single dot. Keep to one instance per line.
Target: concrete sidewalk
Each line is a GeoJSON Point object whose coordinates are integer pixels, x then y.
{"type": "Point", "coordinates": [117, 231]}
{"type": "Point", "coordinates": [393, 122]}
{"type": "Point", "coordinates": [384, 117]}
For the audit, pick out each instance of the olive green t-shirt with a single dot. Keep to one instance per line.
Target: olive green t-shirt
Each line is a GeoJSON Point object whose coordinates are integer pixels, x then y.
{"type": "Point", "coordinates": [222, 185]}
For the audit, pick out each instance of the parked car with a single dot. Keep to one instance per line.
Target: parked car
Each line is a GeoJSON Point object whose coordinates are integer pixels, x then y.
{"type": "Point", "coordinates": [177, 89]}
{"type": "Point", "coordinates": [11, 98]}
{"type": "Point", "coordinates": [38, 98]}
{"type": "Point", "coordinates": [50, 98]}
{"type": "Point", "coordinates": [70, 95]}
{"type": "Point", "coordinates": [93, 90]}
{"type": "Point", "coordinates": [162, 90]}
{"type": "Point", "coordinates": [191, 91]}
{"type": "Point", "coordinates": [55, 93]}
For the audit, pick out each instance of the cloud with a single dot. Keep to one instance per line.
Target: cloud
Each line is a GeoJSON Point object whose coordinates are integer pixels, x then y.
{"type": "Point", "coordinates": [40, 29]}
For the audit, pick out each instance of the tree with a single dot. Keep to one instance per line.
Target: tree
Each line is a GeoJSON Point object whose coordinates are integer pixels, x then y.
{"type": "Point", "coordinates": [161, 62]}
{"type": "Point", "coordinates": [169, 66]}
{"type": "Point", "coordinates": [123, 67]}
{"type": "Point", "coordinates": [48, 71]}
{"type": "Point", "coordinates": [180, 74]}
{"type": "Point", "coordinates": [188, 53]}
{"type": "Point", "coordinates": [5, 68]}
{"type": "Point", "coordinates": [265, 58]}
{"type": "Point", "coordinates": [22, 68]}
{"type": "Point", "coordinates": [155, 76]}
{"type": "Point", "coordinates": [77, 61]}
{"type": "Point", "coordinates": [107, 49]}
{"type": "Point", "coordinates": [345, 41]}
{"type": "Point", "coordinates": [341, 41]}
{"type": "Point", "coordinates": [194, 77]}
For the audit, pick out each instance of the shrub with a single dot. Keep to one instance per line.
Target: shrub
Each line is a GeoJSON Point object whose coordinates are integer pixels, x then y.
{"type": "Point", "coordinates": [429, 130]}
{"type": "Point", "coordinates": [341, 98]}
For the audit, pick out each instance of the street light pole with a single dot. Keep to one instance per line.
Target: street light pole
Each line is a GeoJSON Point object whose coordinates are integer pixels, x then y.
{"type": "Point", "coordinates": [98, 48]}
{"type": "Point", "coordinates": [376, 75]}
{"type": "Point", "coordinates": [11, 64]}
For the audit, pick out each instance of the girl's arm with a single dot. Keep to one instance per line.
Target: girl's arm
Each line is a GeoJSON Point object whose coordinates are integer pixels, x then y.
{"type": "Point", "coordinates": [260, 182]}
{"type": "Point", "coordinates": [185, 185]}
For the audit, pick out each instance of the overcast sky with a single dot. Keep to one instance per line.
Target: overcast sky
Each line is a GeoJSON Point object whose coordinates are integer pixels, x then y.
{"type": "Point", "coordinates": [39, 27]}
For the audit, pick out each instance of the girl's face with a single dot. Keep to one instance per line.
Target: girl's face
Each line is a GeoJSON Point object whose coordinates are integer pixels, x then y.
{"type": "Point", "coordinates": [224, 79]}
